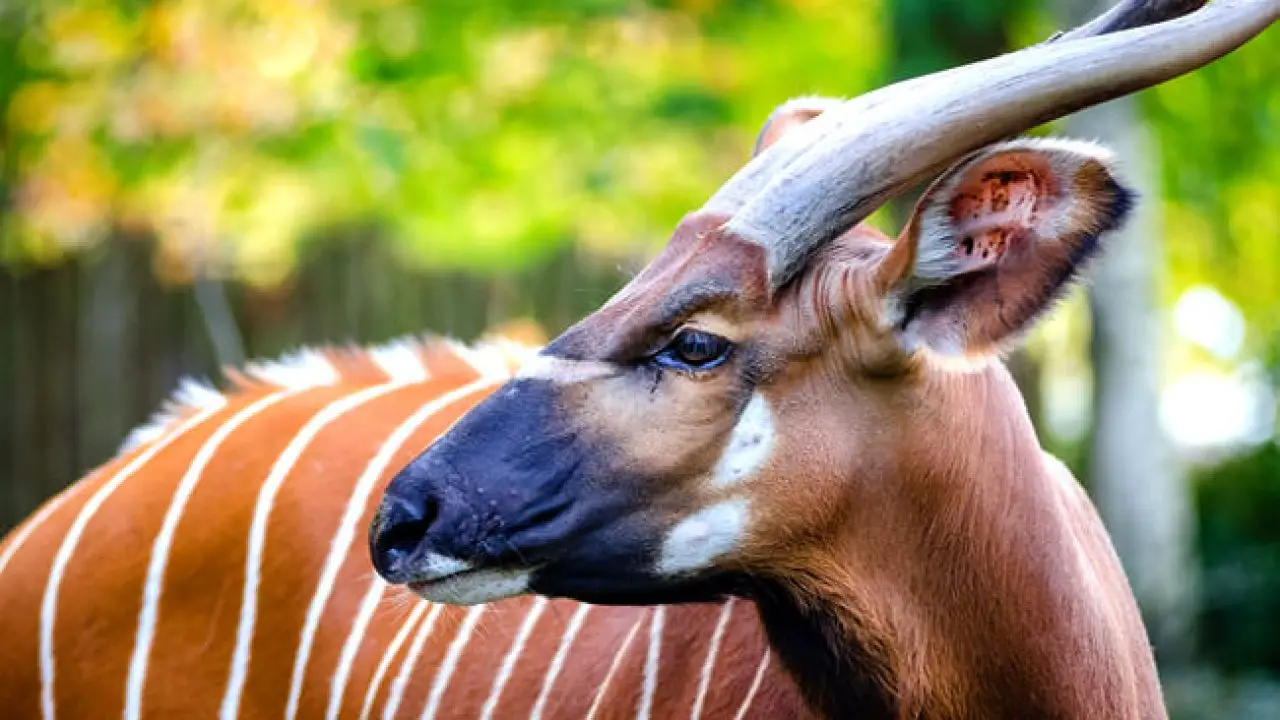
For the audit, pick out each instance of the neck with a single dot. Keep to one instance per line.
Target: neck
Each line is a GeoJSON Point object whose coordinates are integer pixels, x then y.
{"type": "Point", "coordinates": [970, 584]}
{"type": "Point", "coordinates": [838, 674]}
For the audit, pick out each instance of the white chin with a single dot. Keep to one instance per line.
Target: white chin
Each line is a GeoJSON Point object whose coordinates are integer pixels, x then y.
{"type": "Point", "coordinates": [474, 587]}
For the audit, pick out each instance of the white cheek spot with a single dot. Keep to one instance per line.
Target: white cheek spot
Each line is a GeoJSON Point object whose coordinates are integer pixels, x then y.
{"type": "Point", "coordinates": [702, 537]}
{"type": "Point", "coordinates": [749, 445]}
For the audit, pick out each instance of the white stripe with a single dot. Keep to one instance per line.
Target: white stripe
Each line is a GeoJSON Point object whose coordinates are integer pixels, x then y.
{"type": "Point", "coordinates": [49, 603]}
{"type": "Point", "coordinates": [613, 669]}
{"type": "Point", "coordinates": [153, 586]}
{"type": "Point", "coordinates": [20, 537]}
{"type": "Point", "coordinates": [347, 658]}
{"type": "Point", "coordinates": [484, 361]}
{"type": "Point", "coordinates": [258, 537]}
{"type": "Point", "coordinates": [396, 694]}
{"type": "Point", "coordinates": [445, 673]}
{"type": "Point", "coordinates": [191, 396]}
{"type": "Point", "coordinates": [651, 663]}
{"type": "Point", "coordinates": [340, 544]}
{"type": "Point", "coordinates": [755, 686]}
{"type": "Point", "coordinates": [401, 360]}
{"type": "Point", "coordinates": [514, 352]}
{"type": "Point", "coordinates": [557, 662]}
{"type": "Point", "coordinates": [509, 662]}
{"type": "Point", "coordinates": [385, 663]}
{"type": "Point", "coordinates": [709, 666]}
{"type": "Point", "coordinates": [305, 368]}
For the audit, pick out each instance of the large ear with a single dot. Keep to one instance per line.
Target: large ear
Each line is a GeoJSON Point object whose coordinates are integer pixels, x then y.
{"type": "Point", "coordinates": [996, 239]}
{"type": "Point", "coordinates": [788, 116]}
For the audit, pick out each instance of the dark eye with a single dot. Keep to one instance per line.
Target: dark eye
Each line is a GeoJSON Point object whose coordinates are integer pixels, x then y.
{"type": "Point", "coordinates": [694, 350]}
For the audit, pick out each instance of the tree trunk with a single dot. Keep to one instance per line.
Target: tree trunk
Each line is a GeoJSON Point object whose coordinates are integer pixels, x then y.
{"type": "Point", "coordinates": [1140, 491]}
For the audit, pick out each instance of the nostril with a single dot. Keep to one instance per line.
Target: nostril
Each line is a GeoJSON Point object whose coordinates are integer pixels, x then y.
{"type": "Point", "coordinates": [405, 535]}
{"type": "Point", "coordinates": [402, 530]}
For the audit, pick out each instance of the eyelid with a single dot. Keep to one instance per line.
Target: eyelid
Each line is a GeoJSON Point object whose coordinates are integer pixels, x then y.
{"type": "Point", "coordinates": [665, 336]}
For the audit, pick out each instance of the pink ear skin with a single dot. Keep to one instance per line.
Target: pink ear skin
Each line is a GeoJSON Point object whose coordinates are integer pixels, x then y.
{"type": "Point", "coordinates": [995, 210]}
{"type": "Point", "coordinates": [996, 240]}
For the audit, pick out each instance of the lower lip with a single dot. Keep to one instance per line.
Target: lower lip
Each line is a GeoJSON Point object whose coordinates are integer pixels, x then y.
{"type": "Point", "coordinates": [421, 585]}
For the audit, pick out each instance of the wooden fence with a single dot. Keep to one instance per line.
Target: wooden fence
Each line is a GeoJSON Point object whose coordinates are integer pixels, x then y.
{"type": "Point", "coordinates": [90, 348]}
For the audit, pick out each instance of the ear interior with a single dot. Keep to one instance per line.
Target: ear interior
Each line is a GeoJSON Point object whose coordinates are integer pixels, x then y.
{"type": "Point", "coordinates": [997, 239]}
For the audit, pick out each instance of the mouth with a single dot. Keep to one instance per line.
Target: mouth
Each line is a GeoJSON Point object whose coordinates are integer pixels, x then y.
{"type": "Point", "coordinates": [474, 586]}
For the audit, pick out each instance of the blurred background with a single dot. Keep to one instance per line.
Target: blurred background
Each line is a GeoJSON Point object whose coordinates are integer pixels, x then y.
{"type": "Point", "coordinates": [189, 183]}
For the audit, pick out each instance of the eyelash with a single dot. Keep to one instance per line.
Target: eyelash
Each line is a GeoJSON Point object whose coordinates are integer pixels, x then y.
{"type": "Point", "coordinates": [674, 356]}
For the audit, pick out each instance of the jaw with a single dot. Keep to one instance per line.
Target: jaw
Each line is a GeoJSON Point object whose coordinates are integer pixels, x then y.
{"type": "Point", "coordinates": [467, 585]}
{"type": "Point", "coordinates": [633, 588]}
{"type": "Point", "coordinates": [475, 586]}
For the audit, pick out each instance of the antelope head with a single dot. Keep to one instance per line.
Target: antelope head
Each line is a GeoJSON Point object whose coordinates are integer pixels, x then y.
{"type": "Point", "coordinates": [781, 375]}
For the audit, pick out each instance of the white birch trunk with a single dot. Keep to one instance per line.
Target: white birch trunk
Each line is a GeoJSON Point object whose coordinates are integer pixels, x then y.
{"type": "Point", "coordinates": [1138, 486]}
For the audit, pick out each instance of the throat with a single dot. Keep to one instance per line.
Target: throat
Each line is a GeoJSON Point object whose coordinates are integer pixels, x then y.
{"type": "Point", "coordinates": [840, 674]}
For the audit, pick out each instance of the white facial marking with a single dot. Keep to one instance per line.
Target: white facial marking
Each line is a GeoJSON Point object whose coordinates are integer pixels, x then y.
{"type": "Point", "coordinates": [563, 370]}
{"type": "Point", "coordinates": [476, 587]}
{"type": "Point", "coordinates": [749, 445]}
{"type": "Point", "coordinates": [435, 566]}
{"type": "Point", "coordinates": [702, 537]}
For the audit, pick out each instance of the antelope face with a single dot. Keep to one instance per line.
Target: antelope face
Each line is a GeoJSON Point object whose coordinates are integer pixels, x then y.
{"type": "Point", "coordinates": [703, 428]}
{"type": "Point", "coordinates": [614, 467]}
{"type": "Point", "coordinates": [773, 378]}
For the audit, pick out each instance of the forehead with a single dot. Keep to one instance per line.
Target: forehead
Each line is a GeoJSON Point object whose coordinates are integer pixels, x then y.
{"type": "Point", "coordinates": [701, 268]}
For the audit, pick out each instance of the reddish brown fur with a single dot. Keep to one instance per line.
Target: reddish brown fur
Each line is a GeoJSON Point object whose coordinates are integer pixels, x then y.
{"type": "Point", "coordinates": [915, 552]}
{"type": "Point", "coordinates": [97, 614]}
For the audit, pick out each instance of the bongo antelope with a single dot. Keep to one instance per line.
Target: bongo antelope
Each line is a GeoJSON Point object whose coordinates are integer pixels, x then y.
{"type": "Point", "coordinates": [213, 570]}
{"type": "Point", "coordinates": [787, 406]}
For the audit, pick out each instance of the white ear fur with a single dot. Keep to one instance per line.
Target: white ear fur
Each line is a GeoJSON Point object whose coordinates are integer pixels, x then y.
{"type": "Point", "coordinates": [935, 257]}
{"type": "Point", "coordinates": [1033, 212]}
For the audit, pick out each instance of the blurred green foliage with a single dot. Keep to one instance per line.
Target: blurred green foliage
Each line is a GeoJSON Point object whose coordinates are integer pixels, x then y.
{"type": "Point", "coordinates": [469, 134]}
{"type": "Point", "coordinates": [1239, 541]}
{"type": "Point", "coordinates": [485, 135]}
{"type": "Point", "coordinates": [1218, 132]}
